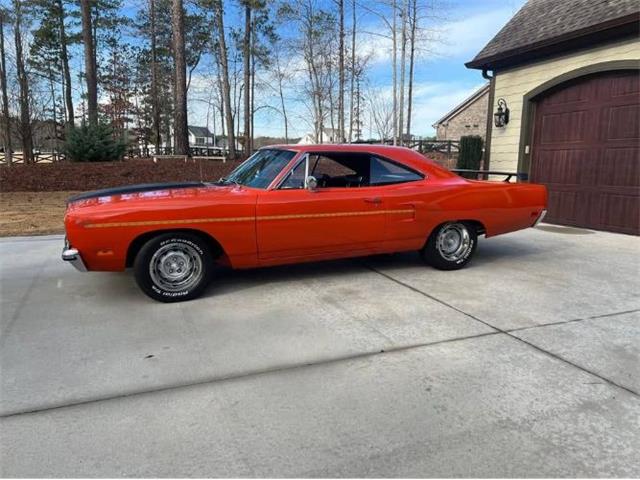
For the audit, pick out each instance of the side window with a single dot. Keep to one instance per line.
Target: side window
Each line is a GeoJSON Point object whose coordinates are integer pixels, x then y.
{"type": "Point", "coordinates": [383, 172]}
{"type": "Point", "coordinates": [295, 180]}
{"type": "Point", "coordinates": [331, 173]}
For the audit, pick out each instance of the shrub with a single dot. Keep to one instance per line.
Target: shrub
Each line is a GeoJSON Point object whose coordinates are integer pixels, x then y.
{"type": "Point", "coordinates": [93, 143]}
{"type": "Point", "coordinates": [470, 154]}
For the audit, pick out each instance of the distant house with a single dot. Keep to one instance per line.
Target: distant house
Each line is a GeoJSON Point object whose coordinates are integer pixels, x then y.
{"type": "Point", "coordinates": [329, 135]}
{"type": "Point", "coordinates": [200, 136]}
{"type": "Point", "coordinates": [564, 107]}
{"type": "Point", "coordinates": [467, 118]}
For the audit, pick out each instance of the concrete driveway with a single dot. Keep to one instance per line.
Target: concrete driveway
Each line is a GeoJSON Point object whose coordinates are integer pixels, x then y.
{"type": "Point", "coordinates": [526, 363]}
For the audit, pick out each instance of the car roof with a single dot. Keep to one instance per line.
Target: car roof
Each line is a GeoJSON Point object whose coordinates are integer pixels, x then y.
{"type": "Point", "coordinates": [404, 155]}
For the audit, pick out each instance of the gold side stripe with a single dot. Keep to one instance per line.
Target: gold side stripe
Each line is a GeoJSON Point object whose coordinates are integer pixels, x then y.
{"type": "Point", "coordinates": [246, 219]}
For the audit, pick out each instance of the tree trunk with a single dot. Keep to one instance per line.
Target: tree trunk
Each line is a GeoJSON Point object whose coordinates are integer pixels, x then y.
{"type": "Point", "coordinates": [412, 54]}
{"type": "Point", "coordinates": [23, 81]}
{"type": "Point", "coordinates": [6, 120]}
{"type": "Point", "coordinates": [281, 93]}
{"type": "Point", "coordinates": [353, 70]}
{"type": "Point", "coordinates": [180, 129]}
{"type": "Point", "coordinates": [395, 73]}
{"type": "Point", "coordinates": [66, 72]}
{"type": "Point", "coordinates": [252, 80]}
{"type": "Point", "coordinates": [403, 61]}
{"type": "Point", "coordinates": [224, 65]}
{"type": "Point", "coordinates": [90, 62]}
{"type": "Point", "coordinates": [155, 102]}
{"type": "Point", "coordinates": [341, 79]}
{"type": "Point", "coordinates": [53, 110]}
{"type": "Point", "coordinates": [246, 53]}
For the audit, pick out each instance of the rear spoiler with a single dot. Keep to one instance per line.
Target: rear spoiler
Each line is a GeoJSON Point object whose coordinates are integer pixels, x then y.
{"type": "Point", "coordinates": [484, 173]}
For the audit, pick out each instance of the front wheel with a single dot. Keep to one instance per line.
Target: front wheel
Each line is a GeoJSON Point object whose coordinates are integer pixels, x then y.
{"type": "Point", "coordinates": [450, 246]}
{"type": "Point", "coordinates": [173, 267]}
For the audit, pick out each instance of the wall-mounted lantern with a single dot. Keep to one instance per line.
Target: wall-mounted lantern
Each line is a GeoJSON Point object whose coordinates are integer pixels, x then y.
{"type": "Point", "coordinates": [501, 117]}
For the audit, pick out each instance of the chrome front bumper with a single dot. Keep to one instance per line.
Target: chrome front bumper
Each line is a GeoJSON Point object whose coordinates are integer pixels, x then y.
{"type": "Point", "coordinates": [543, 213]}
{"type": "Point", "coordinates": [72, 255]}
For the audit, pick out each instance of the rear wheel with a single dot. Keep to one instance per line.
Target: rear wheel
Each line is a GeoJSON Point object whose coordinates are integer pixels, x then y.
{"type": "Point", "coordinates": [451, 246]}
{"type": "Point", "coordinates": [173, 267]}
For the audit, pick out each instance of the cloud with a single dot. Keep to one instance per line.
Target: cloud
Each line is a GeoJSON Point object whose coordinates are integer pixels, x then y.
{"type": "Point", "coordinates": [434, 101]}
{"type": "Point", "coordinates": [466, 37]}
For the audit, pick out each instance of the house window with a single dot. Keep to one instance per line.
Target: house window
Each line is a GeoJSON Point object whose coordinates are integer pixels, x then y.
{"type": "Point", "coordinates": [199, 140]}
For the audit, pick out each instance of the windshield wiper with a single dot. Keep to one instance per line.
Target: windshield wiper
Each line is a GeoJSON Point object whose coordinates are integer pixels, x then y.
{"type": "Point", "coordinates": [225, 180]}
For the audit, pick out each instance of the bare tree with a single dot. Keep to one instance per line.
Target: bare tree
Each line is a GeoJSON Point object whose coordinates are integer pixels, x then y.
{"type": "Point", "coordinates": [23, 82]}
{"type": "Point", "coordinates": [353, 63]}
{"type": "Point", "coordinates": [180, 129]}
{"type": "Point", "coordinates": [394, 35]}
{"type": "Point", "coordinates": [341, 75]}
{"type": "Point", "coordinates": [218, 12]}
{"type": "Point", "coordinates": [413, 21]}
{"type": "Point", "coordinates": [382, 113]}
{"type": "Point", "coordinates": [90, 64]}
{"type": "Point", "coordinates": [246, 54]}
{"type": "Point", "coordinates": [6, 120]}
{"type": "Point", "coordinates": [403, 63]}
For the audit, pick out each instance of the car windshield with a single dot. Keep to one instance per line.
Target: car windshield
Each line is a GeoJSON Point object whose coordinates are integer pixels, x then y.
{"type": "Point", "coordinates": [260, 169]}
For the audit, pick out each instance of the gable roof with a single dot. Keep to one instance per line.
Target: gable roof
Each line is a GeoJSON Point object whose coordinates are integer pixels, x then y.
{"type": "Point", "coordinates": [199, 131]}
{"type": "Point", "coordinates": [541, 24]}
{"type": "Point", "coordinates": [464, 104]}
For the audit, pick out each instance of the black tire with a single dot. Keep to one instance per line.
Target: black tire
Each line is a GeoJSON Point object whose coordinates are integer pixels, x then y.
{"type": "Point", "coordinates": [174, 267]}
{"type": "Point", "coordinates": [450, 246]}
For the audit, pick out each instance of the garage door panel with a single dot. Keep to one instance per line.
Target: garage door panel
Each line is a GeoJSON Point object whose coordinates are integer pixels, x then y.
{"type": "Point", "coordinates": [624, 86]}
{"type": "Point", "coordinates": [574, 96]}
{"type": "Point", "coordinates": [563, 127]}
{"type": "Point", "coordinates": [561, 166]}
{"type": "Point", "coordinates": [586, 149]}
{"type": "Point", "coordinates": [620, 212]}
{"type": "Point", "coordinates": [619, 167]}
{"type": "Point", "coordinates": [563, 205]}
{"type": "Point", "coordinates": [622, 122]}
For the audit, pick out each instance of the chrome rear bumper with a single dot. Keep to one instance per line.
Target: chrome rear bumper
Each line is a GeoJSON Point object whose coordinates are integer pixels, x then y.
{"type": "Point", "coordinates": [543, 213]}
{"type": "Point", "coordinates": [72, 255]}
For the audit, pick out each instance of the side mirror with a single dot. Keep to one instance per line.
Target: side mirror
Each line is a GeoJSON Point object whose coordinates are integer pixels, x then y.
{"type": "Point", "coordinates": [311, 183]}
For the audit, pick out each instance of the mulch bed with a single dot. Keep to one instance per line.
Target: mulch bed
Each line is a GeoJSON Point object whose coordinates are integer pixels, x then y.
{"type": "Point", "coordinates": [67, 176]}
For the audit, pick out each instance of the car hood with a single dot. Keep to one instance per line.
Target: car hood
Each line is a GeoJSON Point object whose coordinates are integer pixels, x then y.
{"type": "Point", "coordinates": [131, 189]}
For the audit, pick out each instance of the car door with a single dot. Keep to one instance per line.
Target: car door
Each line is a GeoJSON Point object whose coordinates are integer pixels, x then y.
{"type": "Point", "coordinates": [404, 195]}
{"type": "Point", "coordinates": [337, 219]}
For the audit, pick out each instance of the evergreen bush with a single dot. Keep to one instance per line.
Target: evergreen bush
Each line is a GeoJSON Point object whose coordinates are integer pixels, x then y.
{"type": "Point", "coordinates": [93, 143]}
{"type": "Point", "coordinates": [470, 154]}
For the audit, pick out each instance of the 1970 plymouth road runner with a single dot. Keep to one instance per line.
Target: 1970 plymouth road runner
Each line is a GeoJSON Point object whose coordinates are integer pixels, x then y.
{"type": "Point", "coordinates": [289, 204]}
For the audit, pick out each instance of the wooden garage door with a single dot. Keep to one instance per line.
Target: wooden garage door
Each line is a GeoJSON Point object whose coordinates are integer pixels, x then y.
{"type": "Point", "coordinates": [585, 148]}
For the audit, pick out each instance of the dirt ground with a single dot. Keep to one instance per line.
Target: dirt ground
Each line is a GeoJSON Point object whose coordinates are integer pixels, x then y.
{"type": "Point", "coordinates": [32, 213]}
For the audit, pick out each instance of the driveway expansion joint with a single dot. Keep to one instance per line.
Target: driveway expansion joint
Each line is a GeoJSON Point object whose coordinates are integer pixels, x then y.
{"type": "Point", "coordinates": [254, 373]}
{"type": "Point", "coordinates": [511, 335]}
{"type": "Point", "coordinates": [574, 320]}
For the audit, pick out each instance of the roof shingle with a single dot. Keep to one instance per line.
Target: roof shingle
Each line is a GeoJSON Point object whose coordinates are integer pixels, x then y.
{"type": "Point", "coordinates": [543, 20]}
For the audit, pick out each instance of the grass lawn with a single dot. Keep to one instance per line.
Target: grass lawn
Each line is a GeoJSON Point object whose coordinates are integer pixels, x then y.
{"type": "Point", "coordinates": [32, 213]}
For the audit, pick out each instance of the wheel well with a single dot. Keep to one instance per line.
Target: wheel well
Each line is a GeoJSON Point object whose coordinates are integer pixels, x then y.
{"type": "Point", "coordinates": [480, 229]}
{"type": "Point", "coordinates": [137, 243]}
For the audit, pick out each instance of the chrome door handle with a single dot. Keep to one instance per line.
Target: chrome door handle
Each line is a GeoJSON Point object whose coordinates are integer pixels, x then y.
{"type": "Point", "coordinates": [374, 200]}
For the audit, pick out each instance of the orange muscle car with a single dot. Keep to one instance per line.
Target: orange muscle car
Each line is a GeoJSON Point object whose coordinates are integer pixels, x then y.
{"type": "Point", "coordinates": [289, 204]}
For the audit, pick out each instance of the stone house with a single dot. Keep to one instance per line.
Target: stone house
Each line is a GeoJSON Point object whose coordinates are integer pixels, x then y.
{"type": "Point", "coordinates": [565, 107]}
{"type": "Point", "coordinates": [467, 118]}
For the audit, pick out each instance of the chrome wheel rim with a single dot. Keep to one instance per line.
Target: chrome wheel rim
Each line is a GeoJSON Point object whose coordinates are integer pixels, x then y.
{"type": "Point", "coordinates": [454, 242]}
{"type": "Point", "coordinates": [176, 267]}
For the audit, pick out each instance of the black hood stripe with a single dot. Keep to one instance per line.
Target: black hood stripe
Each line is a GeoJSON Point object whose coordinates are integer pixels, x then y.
{"type": "Point", "coordinates": [143, 187]}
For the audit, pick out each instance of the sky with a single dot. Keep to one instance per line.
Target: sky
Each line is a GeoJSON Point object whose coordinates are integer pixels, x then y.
{"type": "Point", "coordinates": [441, 79]}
